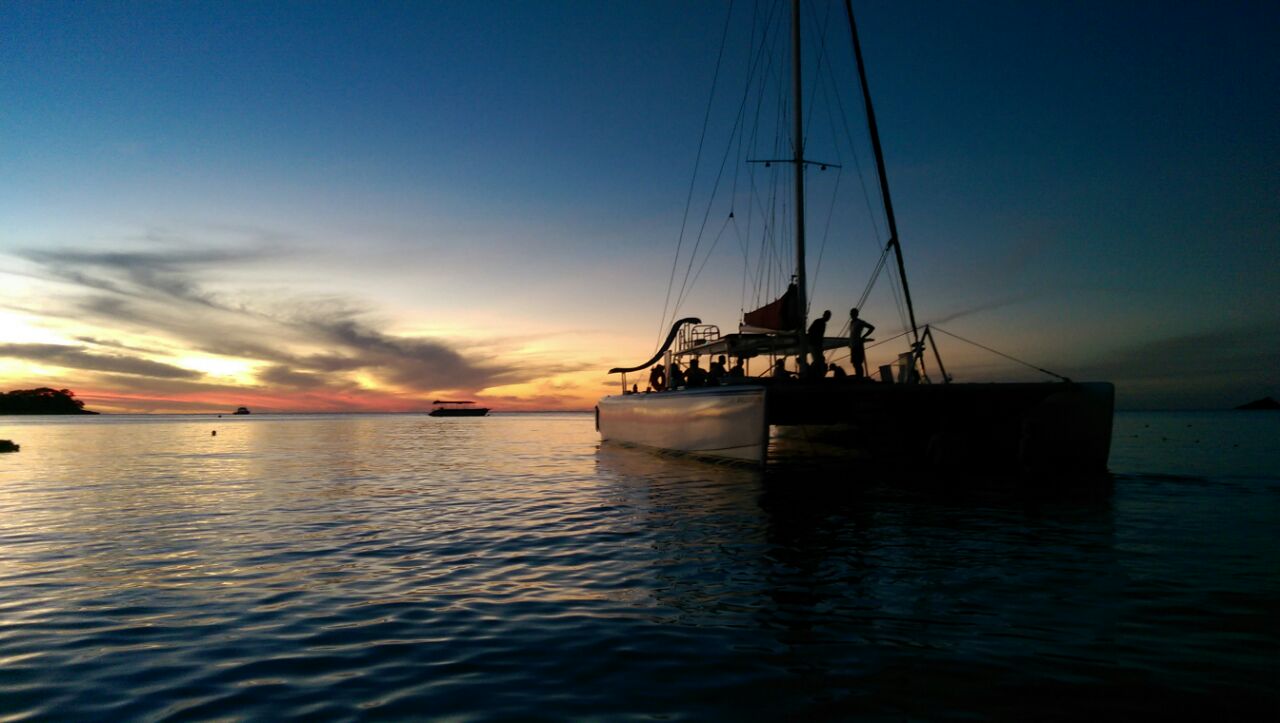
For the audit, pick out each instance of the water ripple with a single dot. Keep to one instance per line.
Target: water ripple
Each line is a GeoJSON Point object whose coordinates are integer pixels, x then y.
{"type": "Point", "coordinates": [347, 567]}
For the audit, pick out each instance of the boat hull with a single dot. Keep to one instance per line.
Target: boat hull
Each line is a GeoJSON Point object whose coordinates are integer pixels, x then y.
{"type": "Point", "coordinates": [718, 422]}
{"type": "Point", "coordinates": [1016, 427]}
{"type": "Point", "coordinates": [1051, 427]}
{"type": "Point", "coordinates": [475, 412]}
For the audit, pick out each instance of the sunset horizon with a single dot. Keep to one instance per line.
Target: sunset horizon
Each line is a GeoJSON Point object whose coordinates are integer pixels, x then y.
{"type": "Point", "coordinates": [203, 211]}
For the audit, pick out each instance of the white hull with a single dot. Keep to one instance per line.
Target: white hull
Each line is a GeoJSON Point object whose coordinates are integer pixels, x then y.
{"type": "Point", "coordinates": [1063, 427]}
{"type": "Point", "coordinates": [722, 422]}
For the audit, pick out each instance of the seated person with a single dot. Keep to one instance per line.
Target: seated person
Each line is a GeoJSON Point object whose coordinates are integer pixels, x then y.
{"type": "Point", "coordinates": [677, 376]}
{"type": "Point", "coordinates": [696, 376]}
{"type": "Point", "coordinates": [837, 371]}
{"type": "Point", "coordinates": [717, 371]}
{"type": "Point", "coordinates": [737, 372]}
{"type": "Point", "coordinates": [780, 370]}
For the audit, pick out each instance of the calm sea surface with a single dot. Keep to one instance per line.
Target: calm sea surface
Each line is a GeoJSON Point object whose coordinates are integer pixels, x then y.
{"type": "Point", "coordinates": [401, 566]}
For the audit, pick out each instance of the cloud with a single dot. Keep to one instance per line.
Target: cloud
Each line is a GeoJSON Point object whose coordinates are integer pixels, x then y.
{"type": "Point", "coordinates": [141, 274]}
{"type": "Point", "coordinates": [986, 306]}
{"type": "Point", "coordinates": [1205, 369]}
{"type": "Point", "coordinates": [305, 345]}
{"type": "Point", "coordinates": [75, 357]}
{"type": "Point", "coordinates": [282, 376]}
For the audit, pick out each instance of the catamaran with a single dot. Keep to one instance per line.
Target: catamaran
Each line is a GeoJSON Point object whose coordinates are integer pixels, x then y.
{"type": "Point", "coordinates": [911, 411]}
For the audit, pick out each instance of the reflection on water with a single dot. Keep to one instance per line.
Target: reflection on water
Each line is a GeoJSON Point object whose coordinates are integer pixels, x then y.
{"type": "Point", "coordinates": [346, 566]}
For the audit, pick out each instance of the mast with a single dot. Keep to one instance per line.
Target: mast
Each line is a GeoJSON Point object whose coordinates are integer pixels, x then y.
{"type": "Point", "coordinates": [802, 299]}
{"type": "Point", "coordinates": [884, 179]}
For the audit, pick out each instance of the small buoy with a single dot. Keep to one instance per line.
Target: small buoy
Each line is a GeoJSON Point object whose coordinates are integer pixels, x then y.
{"type": "Point", "coordinates": [214, 433]}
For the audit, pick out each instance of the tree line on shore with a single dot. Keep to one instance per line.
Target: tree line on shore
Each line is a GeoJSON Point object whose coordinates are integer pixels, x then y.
{"type": "Point", "coordinates": [41, 401]}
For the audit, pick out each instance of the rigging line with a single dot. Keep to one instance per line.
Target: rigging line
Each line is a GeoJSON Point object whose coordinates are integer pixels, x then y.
{"type": "Point", "coordinates": [1000, 353]}
{"type": "Point", "coordinates": [826, 232]}
{"type": "Point", "coordinates": [857, 162]}
{"type": "Point", "coordinates": [754, 55]}
{"type": "Point", "coordinates": [706, 119]}
{"type": "Point", "coordinates": [886, 341]}
{"type": "Point", "coordinates": [822, 51]}
{"type": "Point", "coordinates": [746, 265]}
{"type": "Point", "coordinates": [715, 188]}
{"type": "Point", "coordinates": [761, 259]}
{"type": "Point", "coordinates": [753, 190]}
{"type": "Point", "coordinates": [771, 264]}
{"type": "Point", "coordinates": [733, 193]}
{"type": "Point", "coordinates": [737, 234]}
{"type": "Point", "coordinates": [893, 289]}
{"type": "Point", "coordinates": [769, 221]}
{"type": "Point", "coordinates": [874, 275]}
{"type": "Point", "coordinates": [753, 59]}
{"type": "Point", "coordinates": [707, 257]}
{"type": "Point", "coordinates": [881, 174]}
{"type": "Point", "coordinates": [777, 209]}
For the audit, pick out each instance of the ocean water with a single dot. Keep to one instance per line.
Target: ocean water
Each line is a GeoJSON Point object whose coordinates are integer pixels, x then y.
{"type": "Point", "coordinates": [400, 566]}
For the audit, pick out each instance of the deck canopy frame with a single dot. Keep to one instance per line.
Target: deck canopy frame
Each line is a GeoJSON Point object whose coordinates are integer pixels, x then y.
{"type": "Point", "coordinates": [749, 346]}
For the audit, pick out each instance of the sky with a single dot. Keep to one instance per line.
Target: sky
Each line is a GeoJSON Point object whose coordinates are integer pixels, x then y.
{"type": "Point", "coordinates": [326, 206]}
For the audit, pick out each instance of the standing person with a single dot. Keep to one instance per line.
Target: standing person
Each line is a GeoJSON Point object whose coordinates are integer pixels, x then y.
{"type": "Point", "coordinates": [859, 335]}
{"type": "Point", "coordinates": [817, 336]}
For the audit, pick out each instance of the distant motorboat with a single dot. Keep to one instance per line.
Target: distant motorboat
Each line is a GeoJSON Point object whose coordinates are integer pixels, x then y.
{"type": "Point", "coordinates": [242, 410]}
{"type": "Point", "coordinates": [458, 409]}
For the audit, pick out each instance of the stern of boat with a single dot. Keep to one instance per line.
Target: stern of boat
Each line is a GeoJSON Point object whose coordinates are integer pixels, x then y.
{"type": "Point", "coordinates": [718, 422]}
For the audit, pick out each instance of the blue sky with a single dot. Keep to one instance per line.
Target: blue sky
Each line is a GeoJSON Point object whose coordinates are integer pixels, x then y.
{"type": "Point", "coordinates": [505, 181]}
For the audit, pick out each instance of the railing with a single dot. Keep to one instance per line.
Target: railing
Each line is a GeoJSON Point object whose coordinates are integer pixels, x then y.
{"type": "Point", "coordinates": [697, 335]}
{"type": "Point", "coordinates": [675, 329]}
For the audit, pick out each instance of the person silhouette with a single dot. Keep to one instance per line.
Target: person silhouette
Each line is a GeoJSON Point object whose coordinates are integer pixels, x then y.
{"type": "Point", "coordinates": [717, 371]}
{"type": "Point", "coordinates": [859, 335]}
{"type": "Point", "coordinates": [696, 376]}
{"type": "Point", "coordinates": [677, 376]}
{"type": "Point", "coordinates": [780, 370]}
{"type": "Point", "coordinates": [817, 337]}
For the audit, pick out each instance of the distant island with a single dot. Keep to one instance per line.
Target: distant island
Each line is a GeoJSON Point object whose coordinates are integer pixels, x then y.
{"type": "Point", "coordinates": [41, 401]}
{"type": "Point", "coordinates": [1264, 403]}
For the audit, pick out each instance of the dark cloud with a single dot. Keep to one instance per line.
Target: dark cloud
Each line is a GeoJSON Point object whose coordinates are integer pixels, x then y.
{"type": "Point", "coordinates": [1211, 369]}
{"type": "Point", "coordinates": [75, 357]}
{"type": "Point", "coordinates": [1244, 351]}
{"type": "Point", "coordinates": [113, 344]}
{"type": "Point", "coordinates": [283, 376]}
{"type": "Point", "coordinates": [144, 274]}
{"type": "Point", "coordinates": [421, 363]}
{"type": "Point", "coordinates": [979, 308]}
{"type": "Point", "coordinates": [306, 344]}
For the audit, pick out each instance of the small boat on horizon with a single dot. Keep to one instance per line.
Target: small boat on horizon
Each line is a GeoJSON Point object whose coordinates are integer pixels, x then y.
{"type": "Point", "coordinates": [241, 410]}
{"type": "Point", "coordinates": [446, 408]}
